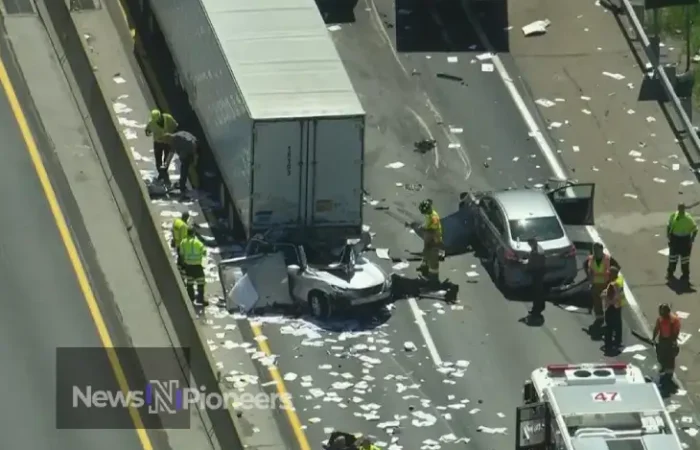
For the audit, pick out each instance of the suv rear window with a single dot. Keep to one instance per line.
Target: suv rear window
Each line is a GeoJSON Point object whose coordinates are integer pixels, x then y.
{"type": "Point", "coordinates": [541, 228]}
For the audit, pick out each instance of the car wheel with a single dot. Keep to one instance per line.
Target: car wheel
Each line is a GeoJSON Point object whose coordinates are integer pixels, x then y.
{"type": "Point", "coordinates": [498, 272]}
{"type": "Point", "coordinates": [319, 305]}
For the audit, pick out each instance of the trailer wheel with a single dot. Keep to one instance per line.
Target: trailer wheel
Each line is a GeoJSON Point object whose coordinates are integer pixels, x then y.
{"type": "Point", "coordinates": [319, 305]}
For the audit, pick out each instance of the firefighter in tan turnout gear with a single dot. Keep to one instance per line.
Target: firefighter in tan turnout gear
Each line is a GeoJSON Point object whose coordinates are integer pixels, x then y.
{"type": "Point", "coordinates": [432, 242]}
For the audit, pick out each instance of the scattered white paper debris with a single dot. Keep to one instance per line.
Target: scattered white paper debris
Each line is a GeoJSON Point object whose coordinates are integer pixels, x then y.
{"type": "Point", "coordinates": [555, 125]}
{"type": "Point", "coordinates": [484, 56]}
{"type": "Point", "coordinates": [456, 130]}
{"type": "Point", "coordinates": [659, 180]}
{"type": "Point", "coordinates": [639, 357]}
{"type": "Point", "coordinates": [615, 76]}
{"type": "Point", "coordinates": [635, 153]}
{"type": "Point", "coordinates": [663, 252]}
{"type": "Point", "coordinates": [572, 308]}
{"type": "Point", "coordinates": [683, 337]}
{"type": "Point", "coordinates": [472, 274]}
{"type": "Point", "coordinates": [489, 430]}
{"type": "Point", "coordinates": [130, 134]}
{"type": "Point", "coordinates": [586, 112]}
{"type": "Point", "coordinates": [682, 314]}
{"type": "Point", "coordinates": [651, 119]}
{"type": "Point", "coordinates": [487, 67]}
{"type": "Point", "coordinates": [687, 183]}
{"type": "Point", "coordinates": [402, 265]}
{"type": "Point", "coordinates": [692, 432]}
{"type": "Point", "coordinates": [634, 348]}
{"type": "Point", "coordinates": [334, 28]}
{"type": "Point", "coordinates": [452, 59]}
{"type": "Point", "coordinates": [630, 196]}
{"type": "Point", "coordinates": [536, 28]}
{"type": "Point", "coordinates": [290, 376]}
{"type": "Point", "coordinates": [409, 346]}
{"type": "Point", "coordinates": [395, 165]}
{"type": "Point", "coordinates": [576, 148]}
{"type": "Point", "coordinates": [544, 102]}
{"type": "Point", "coordinates": [423, 419]}
{"type": "Point", "coordinates": [383, 253]}
{"type": "Point", "coordinates": [675, 167]}
{"type": "Point", "coordinates": [585, 99]}
{"type": "Point", "coordinates": [630, 111]}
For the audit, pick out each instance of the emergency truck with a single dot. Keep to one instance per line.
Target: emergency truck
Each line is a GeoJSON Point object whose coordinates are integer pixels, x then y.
{"type": "Point", "coordinates": [593, 407]}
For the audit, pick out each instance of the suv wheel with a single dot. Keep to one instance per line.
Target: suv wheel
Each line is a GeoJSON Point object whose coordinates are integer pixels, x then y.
{"type": "Point", "coordinates": [319, 305]}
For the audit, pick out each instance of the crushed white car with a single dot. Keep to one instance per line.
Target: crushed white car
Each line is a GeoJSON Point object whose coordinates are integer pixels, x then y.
{"type": "Point", "coordinates": [283, 272]}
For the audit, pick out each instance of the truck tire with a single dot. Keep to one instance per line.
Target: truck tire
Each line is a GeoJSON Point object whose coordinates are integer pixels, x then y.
{"type": "Point", "coordinates": [319, 305]}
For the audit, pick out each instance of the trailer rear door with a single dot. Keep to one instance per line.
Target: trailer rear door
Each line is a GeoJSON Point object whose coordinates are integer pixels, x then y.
{"type": "Point", "coordinates": [335, 184]}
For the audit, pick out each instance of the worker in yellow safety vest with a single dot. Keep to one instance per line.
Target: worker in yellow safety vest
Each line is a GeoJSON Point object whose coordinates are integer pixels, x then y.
{"type": "Point", "coordinates": [158, 125]}
{"type": "Point", "coordinates": [432, 242]}
{"type": "Point", "coordinates": [367, 444]}
{"type": "Point", "coordinates": [597, 267]}
{"type": "Point", "coordinates": [680, 232]}
{"type": "Point", "coordinates": [192, 252]}
{"type": "Point", "coordinates": [180, 226]}
{"type": "Point", "coordinates": [614, 295]}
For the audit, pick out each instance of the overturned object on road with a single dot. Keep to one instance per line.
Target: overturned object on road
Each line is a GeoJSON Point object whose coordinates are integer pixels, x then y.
{"type": "Point", "coordinates": [536, 28]}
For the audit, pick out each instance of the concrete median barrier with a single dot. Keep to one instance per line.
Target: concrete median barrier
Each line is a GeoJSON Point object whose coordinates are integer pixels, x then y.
{"type": "Point", "coordinates": [55, 13]}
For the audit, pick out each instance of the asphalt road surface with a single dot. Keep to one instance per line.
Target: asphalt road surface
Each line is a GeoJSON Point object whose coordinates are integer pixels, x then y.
{"type": "Point", "coordinates": [463, 381]}
{"type": "Point", "coordinates": [43, 308]}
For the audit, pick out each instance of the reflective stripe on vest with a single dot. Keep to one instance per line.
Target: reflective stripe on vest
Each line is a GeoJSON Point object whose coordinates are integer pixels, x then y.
{"type": "Point", "coordinates": [599, 273]}
{"type": "Point", "coordinates": [191, 252]}
{"type": "Point", "coordinates": [433, 223]}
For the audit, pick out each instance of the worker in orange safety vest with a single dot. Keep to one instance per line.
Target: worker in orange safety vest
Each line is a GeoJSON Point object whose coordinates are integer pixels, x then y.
{"type": "Point", "coordinates": [665, 338]}
{"type": "Point", "coordinates": [597, 267]}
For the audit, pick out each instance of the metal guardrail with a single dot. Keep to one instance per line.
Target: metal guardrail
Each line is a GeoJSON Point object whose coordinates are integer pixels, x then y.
{"type": "Point", "coordinates": [660, 73]}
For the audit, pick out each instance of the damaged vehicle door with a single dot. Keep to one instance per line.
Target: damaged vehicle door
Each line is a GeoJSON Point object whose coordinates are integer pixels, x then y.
{"type": "Point", "coordinates": [255, 282]}
{"type": "Point", "coordinates": [574, 203]}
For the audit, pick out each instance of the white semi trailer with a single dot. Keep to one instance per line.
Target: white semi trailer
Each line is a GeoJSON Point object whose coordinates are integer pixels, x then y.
{"type": "Point", "coordinates": [279, 112]}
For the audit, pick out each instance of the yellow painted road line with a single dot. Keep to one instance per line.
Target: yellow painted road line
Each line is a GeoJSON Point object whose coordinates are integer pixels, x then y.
{"type": "Point", "coordinates": [71, 249]}
{"type": "Point", "coordinates": [289, 410]}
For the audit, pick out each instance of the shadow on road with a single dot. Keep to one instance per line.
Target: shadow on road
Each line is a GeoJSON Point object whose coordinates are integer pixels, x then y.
{"type": "Point", "coordinates": [337, 11]}
{"type": "Point", "coordinates": [443, 26]}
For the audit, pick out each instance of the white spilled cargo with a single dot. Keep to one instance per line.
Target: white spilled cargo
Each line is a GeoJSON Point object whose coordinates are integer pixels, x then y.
{"type": "Point", "coordinates": [278, 109]}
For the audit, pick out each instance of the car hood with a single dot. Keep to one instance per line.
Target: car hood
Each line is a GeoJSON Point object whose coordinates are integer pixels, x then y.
{"type": "Point", "coordinates": [364, 276]}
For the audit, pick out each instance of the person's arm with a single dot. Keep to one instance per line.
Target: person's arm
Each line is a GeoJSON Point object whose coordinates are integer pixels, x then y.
{"type": "Point", "coordinates": [669, 227]}
{"type": "Point", "coordinates": [585, 265]}
{"type": "Point", "coordinates": [614, 263]}
{"type": "Point", "coordinates": [148, 130]}
{"type": "Point", "coordinates": [655, 334]}
{"type": "Point", "coordinates": [693, 233]}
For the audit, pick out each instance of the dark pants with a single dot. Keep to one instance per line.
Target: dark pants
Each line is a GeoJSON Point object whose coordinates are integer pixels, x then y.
{"type": "Point", "coordinates": [679, 248]}
{"type": "Point", "coordinates": [666, 352]}
{"type": "Point", "coordinates": [613, 327]}
{"type": "Point", "coordinates": [194, 275]}
{"type": "Point", "coordinates": [160, 151]}
{"type": "Point", "coordinates": [185, 164]}
{"type": "Point", "coordinates": [537, 293]}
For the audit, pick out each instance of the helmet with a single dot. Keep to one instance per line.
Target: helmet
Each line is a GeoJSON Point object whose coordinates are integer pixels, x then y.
{"type": "Point", "coordinates": [156, 115]}
{"type": "Point", "coordinates": [426, 206]}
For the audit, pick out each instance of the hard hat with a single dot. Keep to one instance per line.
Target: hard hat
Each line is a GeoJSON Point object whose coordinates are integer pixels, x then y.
{"type": "Point", "coordinates": [426, 206]}
{"type": "Point", "coordinates": [156, 115]}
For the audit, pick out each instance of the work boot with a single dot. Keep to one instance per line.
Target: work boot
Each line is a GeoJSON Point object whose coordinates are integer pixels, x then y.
{"type": "Point", "coordinates": [190, 292]}
{"type": "Point", "coordinates": [200, 295]}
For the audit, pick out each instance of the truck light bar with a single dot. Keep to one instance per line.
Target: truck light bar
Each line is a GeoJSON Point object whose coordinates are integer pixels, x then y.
{"type": "Point", "coordinates": [564, 367]}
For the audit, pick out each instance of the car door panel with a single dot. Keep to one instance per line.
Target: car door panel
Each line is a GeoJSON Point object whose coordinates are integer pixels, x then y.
{"type": "Point", "coordinates": [574, 203]}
